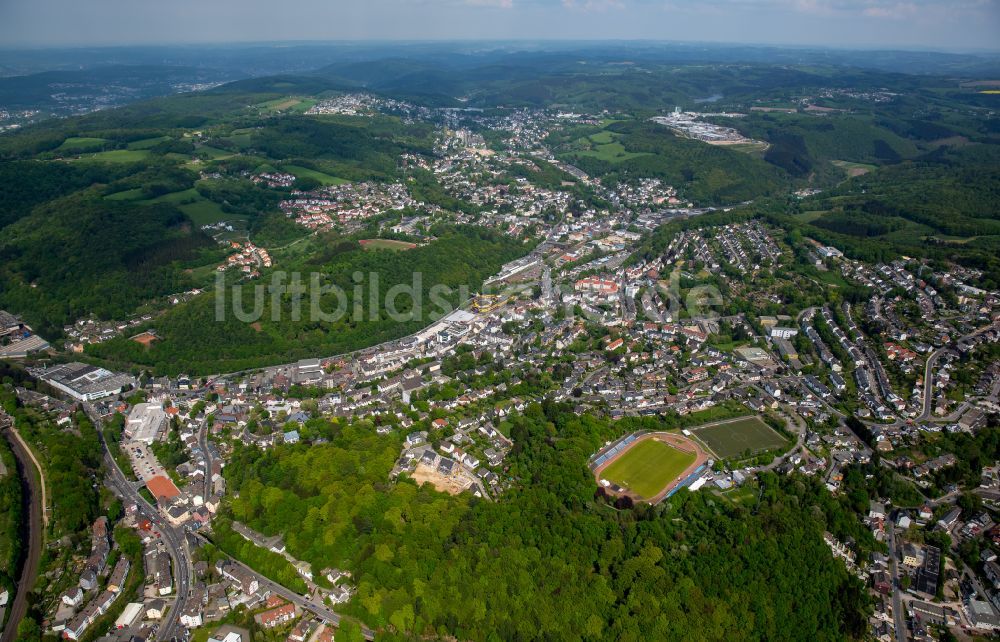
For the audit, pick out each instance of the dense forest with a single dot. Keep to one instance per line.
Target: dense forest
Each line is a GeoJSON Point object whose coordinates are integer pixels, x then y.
{"type": "Point", "coordinates": [81, 254]}
{"type": "Point", "coordinates": [953, 192]}
{"type": "Point", "coordinates": [24, 184]}
{"type": "Point", "coordinates": [11, 516]}
{"type": "Point", "coordinates": [695, 568]}
{"type": "Point", "coordinates": [194, 340]}
{"type": "Point", "coordinates": [940, 206]}
{"type": "Point", "coordinates": [71, 459]}
{"type": "Point", "coordinates": [801, 143]}
{"type": "Point", "coordinates": [354, 149]}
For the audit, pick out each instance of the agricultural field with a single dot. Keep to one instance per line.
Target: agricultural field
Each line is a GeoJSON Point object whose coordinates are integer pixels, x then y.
{"type": "Point", "coordinates": [605, 146]}
{"type": "Point", "coordinates": [755, 147]}
{"type": "Point", "coordinates": [148, 143]}
{"type": "Point", "coordinates": [647, 467]}
{"type": "Point", "coordinates": [855, 169]}
{"type": "Point", "coordinates": [214, 153]}
{"type": "Point", "coordinates": [809, 216]}
{"type": "Point", "coordinates": [734, 437]}
{"type": "Point", "coordinates": [118, 156]}
{"type": "Point", "coordinates": [199, 209]}
{"type": "Point", "coordinates": [205, 212]}
{"type": "Point", "coordinates": [81, 144]}
{"type": "Point", "coordinates": [290, 104]}
{"type": "Point", "coordinates": [126, 195]}
{"type": "Point", "coordinates": [240, 137]}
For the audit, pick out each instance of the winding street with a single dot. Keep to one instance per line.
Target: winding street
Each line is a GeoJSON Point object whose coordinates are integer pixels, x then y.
{"type": "Point", "coordinates": [797, 425]}
{"type": "Point", "coordinates": [929, 383]}
{"type": "Point", "coordinates": [171, 537]}
{"type": "Point", "coordinates": [175, 541]}
{"type": "Point", "coordinates": [929, 367]}
{"type": "Point", "coordinates": [304, 603]}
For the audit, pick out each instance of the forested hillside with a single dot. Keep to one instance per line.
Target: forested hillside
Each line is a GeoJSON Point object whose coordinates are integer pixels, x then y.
{"type": "Point", "coordinates": [528, 566]}
{"type": "Point", "coordinates": [106, 214]}
{"type": "Point", "coordinates": [11, 519]}
{"type": "Point", "coordinates": [81, 254]}
{"type": "Point", "coordinates": [703, 173]}
{"type": "Point", "coordinates": [26, 184]}
{"type": "Point", "coordinates": [941, 205]}
{"type": "Point", "coordinates": [193, 340]}
{"type": "Point", "coordinates": [803, 143]}
{"type": "Point", "coordinates": [71, 458]}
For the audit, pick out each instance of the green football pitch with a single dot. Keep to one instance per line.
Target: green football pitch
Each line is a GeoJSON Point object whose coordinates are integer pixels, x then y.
{"type": "Point", "coordinates": [647, 467]}
{"type": "Point", "coordinates": [729, 439]}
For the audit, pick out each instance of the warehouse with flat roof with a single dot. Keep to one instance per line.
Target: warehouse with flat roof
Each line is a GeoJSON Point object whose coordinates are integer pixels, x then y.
{"type": "Point", "coordinates": [145, 422]}
{"type": "Point", "coordinates": [21, 348]}
{"type": "Point", "coordinates": [85, 382]}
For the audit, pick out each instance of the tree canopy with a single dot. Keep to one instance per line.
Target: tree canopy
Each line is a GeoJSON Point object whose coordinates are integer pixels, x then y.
{"type": "Point", "coordinates": [549, 560]}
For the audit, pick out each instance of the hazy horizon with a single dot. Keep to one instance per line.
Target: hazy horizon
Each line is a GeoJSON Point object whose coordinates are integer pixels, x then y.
{"type": "Point", "coordinates": [525, 44]}
{"type": "Point", "coordinates": [923, 25]}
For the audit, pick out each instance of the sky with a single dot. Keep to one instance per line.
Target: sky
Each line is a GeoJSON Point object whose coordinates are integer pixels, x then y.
{"type": "Point", "coordinates": [962, 25]}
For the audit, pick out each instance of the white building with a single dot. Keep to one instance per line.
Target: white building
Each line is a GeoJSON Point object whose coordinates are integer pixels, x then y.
{"type": "Point", "coordinates": [85, 382]}
{"type": "Point", "coordinates": [779, 332]}
{"type": "Point", "coordinates": [131, 614]}
{"type": "Point", "coordinates": [145, 421]}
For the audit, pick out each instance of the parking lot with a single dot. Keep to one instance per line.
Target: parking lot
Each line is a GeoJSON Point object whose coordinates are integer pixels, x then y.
{"type": "Point", "coordinates": [144, 462]}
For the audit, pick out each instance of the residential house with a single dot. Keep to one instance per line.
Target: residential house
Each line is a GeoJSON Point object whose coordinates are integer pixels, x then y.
{"type": "Point", "coordinates": [276, 616]}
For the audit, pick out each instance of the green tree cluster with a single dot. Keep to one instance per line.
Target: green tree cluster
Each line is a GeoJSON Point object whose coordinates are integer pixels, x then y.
{"type": "Point", "coordinates": [548, 560]}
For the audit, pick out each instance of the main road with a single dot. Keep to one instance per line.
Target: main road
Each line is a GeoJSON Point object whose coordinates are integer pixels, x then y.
{"type": "Point", "coordinates": [34, 532]}
{"type": "Point", "coordinates": [899, 620]}
{"type": "Point", "coordinates": [203, 444]}
{"type": "Point", "coordinates": [172, 538]}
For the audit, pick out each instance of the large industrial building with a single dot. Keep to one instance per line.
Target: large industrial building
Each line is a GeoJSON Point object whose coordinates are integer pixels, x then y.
{"type": "Point", "coordinates": [145, 422]}
{"type": "Point", "coordinates": [84, 382]}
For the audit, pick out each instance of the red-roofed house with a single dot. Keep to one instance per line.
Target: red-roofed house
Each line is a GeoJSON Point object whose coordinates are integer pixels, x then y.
{"type": "Point", "coordinates": [276, 616]}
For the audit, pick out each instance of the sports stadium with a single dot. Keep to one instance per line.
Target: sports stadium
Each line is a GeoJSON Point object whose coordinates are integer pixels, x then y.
{"type": "Point", "coordinates": [648, 466]}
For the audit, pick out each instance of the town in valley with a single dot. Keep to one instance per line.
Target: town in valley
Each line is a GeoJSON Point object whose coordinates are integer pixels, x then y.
{"type": "Point", "coordinates": [654, 317]}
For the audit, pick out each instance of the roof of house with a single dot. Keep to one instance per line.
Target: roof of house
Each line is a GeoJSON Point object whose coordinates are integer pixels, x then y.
{"type": "Point", "coordinates": [278, 613]}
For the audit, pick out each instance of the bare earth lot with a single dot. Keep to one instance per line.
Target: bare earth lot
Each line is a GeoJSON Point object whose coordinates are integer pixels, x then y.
{"type": "Point", "coordinates": [454, 485]}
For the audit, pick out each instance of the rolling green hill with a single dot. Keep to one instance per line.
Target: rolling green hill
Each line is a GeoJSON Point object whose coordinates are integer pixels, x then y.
{"type": "Point", "coordinates": [100, 213]}
{"type": "Point", "coordinates": [194, 340]}
{"type": "Point", "coordinates": [802, 144]}
{"type": "Point", "coordinates": [81, 254]}
{"type": "Point", "coordinates": [704, 173]}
